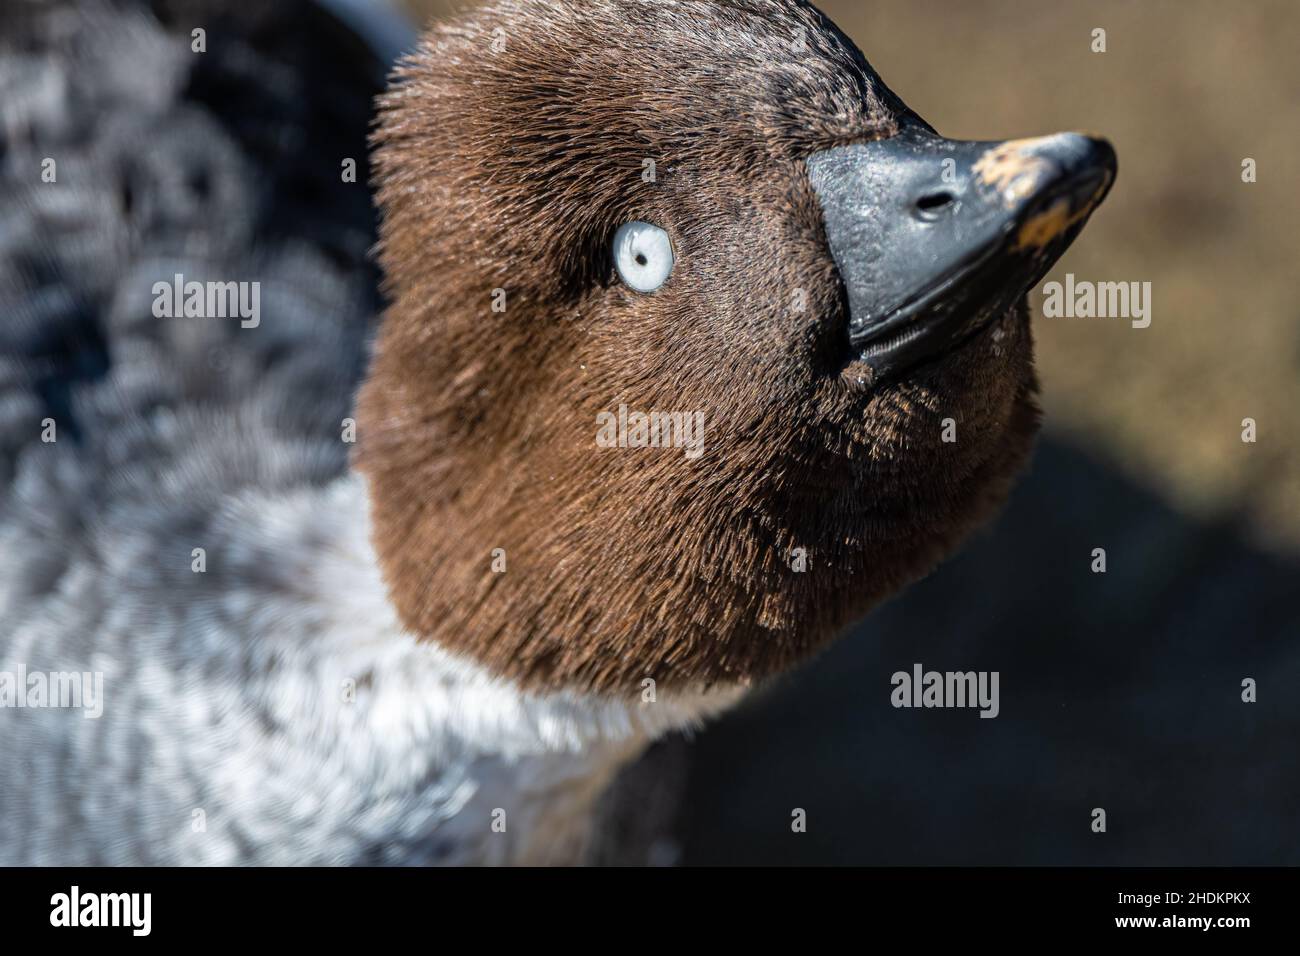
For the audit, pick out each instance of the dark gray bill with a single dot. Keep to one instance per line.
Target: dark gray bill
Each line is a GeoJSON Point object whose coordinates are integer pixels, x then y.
{"type": "Point", "coordinates": [934, 238]}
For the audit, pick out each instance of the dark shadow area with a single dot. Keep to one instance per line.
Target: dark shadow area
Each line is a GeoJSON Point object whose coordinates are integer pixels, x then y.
{"type": "Point", "coordinates": [1119, 690]}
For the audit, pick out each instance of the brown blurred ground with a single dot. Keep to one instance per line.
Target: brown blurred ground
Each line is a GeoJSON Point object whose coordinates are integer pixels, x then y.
{"type": "Point", "coordinates": [1186, 90]}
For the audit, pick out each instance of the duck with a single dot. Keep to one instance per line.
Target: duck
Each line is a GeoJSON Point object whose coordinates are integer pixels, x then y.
{"type": "Point", "coordinates": [362, 583]}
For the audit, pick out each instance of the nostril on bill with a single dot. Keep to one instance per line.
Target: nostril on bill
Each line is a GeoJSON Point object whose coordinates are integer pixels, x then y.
{"type": "Point", "coordinates": [932, 204]}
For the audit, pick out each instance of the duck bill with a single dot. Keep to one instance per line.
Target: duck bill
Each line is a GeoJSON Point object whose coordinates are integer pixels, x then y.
{"type": "Point", "coordinates": [935, 238]}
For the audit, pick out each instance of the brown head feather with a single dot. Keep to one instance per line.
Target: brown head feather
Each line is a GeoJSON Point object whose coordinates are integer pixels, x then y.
{"type": "Point", "coordinates": [511, 169]}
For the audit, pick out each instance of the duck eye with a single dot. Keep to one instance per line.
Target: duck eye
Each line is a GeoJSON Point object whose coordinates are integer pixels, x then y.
{"type": "Point", "coordinates": [643, 256]}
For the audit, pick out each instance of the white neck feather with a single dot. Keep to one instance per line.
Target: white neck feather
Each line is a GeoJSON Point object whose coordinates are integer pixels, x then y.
{"type": "Point", "coordinates": [453, 696]}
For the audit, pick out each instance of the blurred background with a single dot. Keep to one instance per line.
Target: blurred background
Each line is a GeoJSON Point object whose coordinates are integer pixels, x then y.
{"type": "Point", "coordinates": [1119, 690]}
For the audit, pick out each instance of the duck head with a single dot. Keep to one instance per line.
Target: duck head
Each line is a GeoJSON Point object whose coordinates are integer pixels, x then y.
{"type": "Point", "coordinates": [713, 208]}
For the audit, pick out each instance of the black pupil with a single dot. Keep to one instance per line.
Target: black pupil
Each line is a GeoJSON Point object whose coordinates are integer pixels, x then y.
{"type": "Point", "coordinates": [640, 258]}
